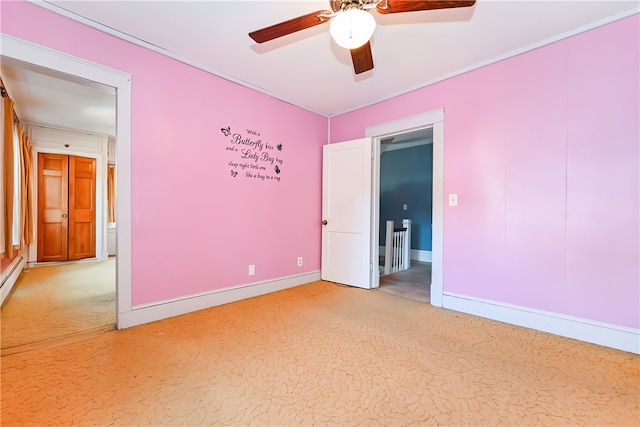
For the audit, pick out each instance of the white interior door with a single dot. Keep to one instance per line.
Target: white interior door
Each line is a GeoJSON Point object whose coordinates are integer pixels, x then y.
{"type": "Point", "coordinates": [346, 213]}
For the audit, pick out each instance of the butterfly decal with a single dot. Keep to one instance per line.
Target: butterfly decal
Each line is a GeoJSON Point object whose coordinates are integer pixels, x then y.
{"type": "Point", "coordinates": [277, 169]}
{"type": "Point", "coordinates": [279, 147]}
{"type": "Point", "coordinates": [226, 131]}
{"type": "Point", "coordinates": [234, 173]}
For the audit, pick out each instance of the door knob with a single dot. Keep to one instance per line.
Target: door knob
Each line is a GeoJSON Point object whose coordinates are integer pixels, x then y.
{"type": "Point", "coordinates": [64, 215]}
{"type": "Point", "coordinates": [324, 222]}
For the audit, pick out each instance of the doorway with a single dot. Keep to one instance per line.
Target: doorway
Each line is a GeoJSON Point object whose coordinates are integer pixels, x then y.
{"type": "Point", "coordinates": [433, 120]}
{"type": "Point", "coordinates": [32, 55]}
{"type": "Point", "coordinates": [406, 189]}
{"type": "Point", "coordinates": [61, 298]}
{"type": "Point", "coordinates": [357, 206]}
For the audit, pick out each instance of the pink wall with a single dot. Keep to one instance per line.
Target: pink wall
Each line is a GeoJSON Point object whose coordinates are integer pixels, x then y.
{"type": "Point", "coordinates": [195, 227]}
{"type": "Point", "coordinates": [543, 151]}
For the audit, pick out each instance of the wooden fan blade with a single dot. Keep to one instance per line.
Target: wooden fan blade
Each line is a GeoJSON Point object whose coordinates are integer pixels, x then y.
{"type": "Point", "coordinates": [290, 26]}
{"type": "Point", "coordinates": [396, 6]}
{"type": "Point", "coordinates": [362, 58]}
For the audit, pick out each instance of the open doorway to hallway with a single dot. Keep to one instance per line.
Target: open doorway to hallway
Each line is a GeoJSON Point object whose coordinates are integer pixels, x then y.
{"type": "Point", "coordinates": [406, 193]}
{"type": "Point", "coordinates": [53, 301]}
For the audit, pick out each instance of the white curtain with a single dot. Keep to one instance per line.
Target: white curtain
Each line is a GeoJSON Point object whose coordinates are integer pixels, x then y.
{"type": "Point", "coordinates": [16, 233]}
{"type": "Point", "coordinates": [2, 231]}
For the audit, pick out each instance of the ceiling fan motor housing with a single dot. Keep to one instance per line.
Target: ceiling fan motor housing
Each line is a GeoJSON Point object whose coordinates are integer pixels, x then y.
{"type": "Point", "coordinates": [337, 5]}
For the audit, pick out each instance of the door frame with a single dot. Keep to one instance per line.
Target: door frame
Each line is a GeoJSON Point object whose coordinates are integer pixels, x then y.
{"type": "Point", "coordinates": [431, 119]}
{"type": "Point", "coordinates": [31, 53]}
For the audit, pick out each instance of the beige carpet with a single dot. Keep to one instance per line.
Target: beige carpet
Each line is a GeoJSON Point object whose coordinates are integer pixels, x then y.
{"type": "Point", "coordinates": [322, 355]}
{"type": "Point", "coordinates": [49, 303]}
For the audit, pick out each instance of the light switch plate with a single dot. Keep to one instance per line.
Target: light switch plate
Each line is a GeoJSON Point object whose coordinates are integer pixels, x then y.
{"type": "Point", "coordinates": [453, 199]}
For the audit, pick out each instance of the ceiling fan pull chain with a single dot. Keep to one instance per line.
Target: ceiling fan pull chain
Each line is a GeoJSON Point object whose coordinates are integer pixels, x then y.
{"type": "Point", "coordinates": [377, 5]}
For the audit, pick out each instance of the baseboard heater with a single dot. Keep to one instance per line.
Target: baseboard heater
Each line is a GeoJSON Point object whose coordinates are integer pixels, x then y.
{"type": "Point", "coordinates": [10, 277]}
{"type": "Point", "coordinates": [16, 263]}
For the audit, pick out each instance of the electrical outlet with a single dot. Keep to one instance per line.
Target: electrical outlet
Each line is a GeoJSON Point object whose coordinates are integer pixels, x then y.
{"type": "Point", "coordinates": [252, 270]}
{"type": "Point", "coordinates": [299, 261]}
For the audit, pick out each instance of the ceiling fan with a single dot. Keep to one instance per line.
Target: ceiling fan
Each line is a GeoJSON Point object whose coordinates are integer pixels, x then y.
{"type": "Point", "coordinates": [352, 24]}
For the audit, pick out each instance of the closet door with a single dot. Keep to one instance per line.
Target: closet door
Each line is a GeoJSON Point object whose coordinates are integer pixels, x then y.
{"type": "Point", "coordinates": [53, 183]}
{"type": "Point", "coordinates": [82, 208]}
{"type": "Point", "coordinates": [66, 207]}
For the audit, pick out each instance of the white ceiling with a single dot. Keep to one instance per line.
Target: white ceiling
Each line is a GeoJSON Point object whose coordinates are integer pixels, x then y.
{"type": "Point", "coordinates": [54, 99]}
{"type": "Point", "coordinates": [307, 69]}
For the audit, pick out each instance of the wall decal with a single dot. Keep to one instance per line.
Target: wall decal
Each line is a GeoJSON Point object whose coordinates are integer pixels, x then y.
{"type": "Point", "coordinates": [253, 157]}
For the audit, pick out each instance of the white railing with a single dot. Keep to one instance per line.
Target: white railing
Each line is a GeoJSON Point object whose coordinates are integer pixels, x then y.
{"type": "Point", "coordinates": [397, 249]}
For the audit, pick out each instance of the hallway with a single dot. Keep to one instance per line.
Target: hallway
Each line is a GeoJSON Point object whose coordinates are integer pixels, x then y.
{"type": "Point", "coordinates": [414, 283]}
{"type": "Point", "coordinates": [59, 303]}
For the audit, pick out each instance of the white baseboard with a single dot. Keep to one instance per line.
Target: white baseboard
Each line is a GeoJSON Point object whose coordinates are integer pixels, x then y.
{"type": "Point", "coordinates": [420, 255]}
{"type": "Point", "coordinates": [9, 277]}
{"type": "Point", "coordinates": [605, 334]}
{"type": "Point", "coordinates": [416, 254]}
{"type": "Point", "coordinates": [146, 313]}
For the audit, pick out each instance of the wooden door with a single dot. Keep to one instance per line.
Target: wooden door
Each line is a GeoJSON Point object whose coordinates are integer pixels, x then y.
{"type": "Point", "coordinates": [66, 207]}
{"type": "Point", "coordinates": [53, 184]}
{"type": "Point", "coordinates": [82, 208]}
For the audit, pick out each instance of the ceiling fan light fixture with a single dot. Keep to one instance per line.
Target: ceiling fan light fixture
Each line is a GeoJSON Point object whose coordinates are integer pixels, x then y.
{"type": "Point", "coordinates": [352, 28]}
